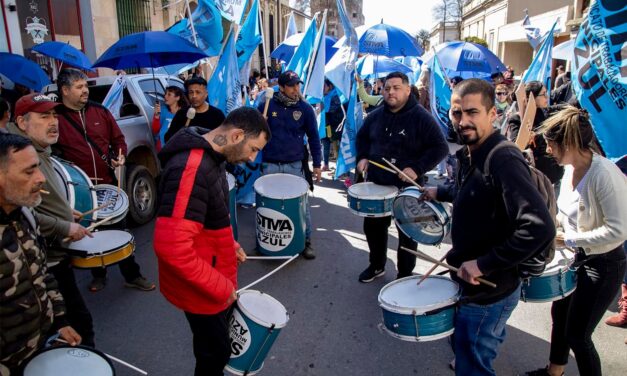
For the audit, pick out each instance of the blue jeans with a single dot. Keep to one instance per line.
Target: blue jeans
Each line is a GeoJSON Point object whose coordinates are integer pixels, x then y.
{"type": "Point", "coordinates": [293, 168]}
{"type": "Point", "coordinates": [479, 330]}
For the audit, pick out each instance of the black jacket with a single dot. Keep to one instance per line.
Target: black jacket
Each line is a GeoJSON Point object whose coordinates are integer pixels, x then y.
{"type": "Point", "coordinates": [210, 119]}
{"type": "Point", "coordinates": [407, 138]}
{"type": "Point", "coordinates": [499, 224]}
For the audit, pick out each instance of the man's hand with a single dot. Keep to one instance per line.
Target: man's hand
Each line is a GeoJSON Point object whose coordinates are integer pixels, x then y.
{"type": "Point", "coordinates": [429, 193]}
{"type": "Point", "coordinates": [241, 255]}
{"type": "Point", "coordinates": [469, 271]}
{"type": "Point", "coordinates": [77, 232]}
{"type": "Point", "coordinates": [362, 166]}
{"type": "Point", "coordinates": [157, 109]}
{"type": "Point", "coordinates": [119, 161]}
{"type": "Point", "coordinates": [559, 240]}
{"type": "Point", "coordinates": [359, 80]}
{"type": "Point", "coordinates": [68, 334]}
{"type": "Point", "coordinates": [409, 172]}
{"type": "Point", "coordinates": [232, 298]}
{"type": "Point", "coordinates": [76, 214]}
{"type": "Point", "coordinates": [317, 174]}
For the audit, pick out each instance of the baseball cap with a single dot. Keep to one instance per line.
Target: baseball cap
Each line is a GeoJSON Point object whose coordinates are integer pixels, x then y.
{"type": "Point", "coordinates": [289, 78]}
{"type": "Point", "coordinates": [36, 102]}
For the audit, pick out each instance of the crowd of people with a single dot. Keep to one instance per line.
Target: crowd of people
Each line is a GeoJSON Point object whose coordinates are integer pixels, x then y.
{"type": "Point", "coordinates": [496, 225]}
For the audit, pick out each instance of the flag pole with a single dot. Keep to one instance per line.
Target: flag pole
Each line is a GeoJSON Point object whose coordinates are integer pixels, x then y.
{"type": "Point", "coordinates": [263, 44]}
{"type": "Point", "coordinates": [191, 21]}
{"type": "Point", "coordinates": [314, 53]}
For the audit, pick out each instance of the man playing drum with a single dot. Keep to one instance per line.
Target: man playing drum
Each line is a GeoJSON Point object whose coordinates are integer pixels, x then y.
{"type": "Point", "coordinates": [87, 131]}
{"type": "Point", "coordinates": [495, 227]}
{"type": "Point", "coordinates": [405, 134]}
{"type": "Point", "coordinates": [37, 120]}
{"type": "Point", "coordinates": [32, 307]}
{"type": "Point", "coordinates": [193, 239]}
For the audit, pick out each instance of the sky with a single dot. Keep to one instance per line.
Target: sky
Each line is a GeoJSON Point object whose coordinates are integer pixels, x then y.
{"type": "Point", "coordinates": [409, 15]}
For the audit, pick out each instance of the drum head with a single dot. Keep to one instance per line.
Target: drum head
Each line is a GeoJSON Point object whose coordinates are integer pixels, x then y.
{"type": "Point", "coordinates": [423, 221]}
{"type": "Point", "coordinates": [231, 180]}
{"type": "Point", "coordinates": [102, 242]}
{"type": "Point", "coordinates": [561, 261]}
{"type": "Point", "coordinates": [118, 201]}
{"type": "Point", "coordinates": [405, 296]}
{"type": "Point", "coordinates": [69, 361]}
{"type": "Point", "coordinates": [372, 191]}
{"type": "Point", "coordinates": [262, 308]}
{"type": "Point", "coordinates": [281, 186]}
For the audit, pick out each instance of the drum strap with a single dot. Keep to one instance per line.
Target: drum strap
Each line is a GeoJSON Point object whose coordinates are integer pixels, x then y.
{"type": "Point", "coordinates": [83, 132]}
{"type": "Point", "coordinates": [30, 218]}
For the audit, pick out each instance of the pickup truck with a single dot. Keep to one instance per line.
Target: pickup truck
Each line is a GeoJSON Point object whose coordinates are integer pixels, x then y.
{"type": "Point", "coordinates": [136, 112]}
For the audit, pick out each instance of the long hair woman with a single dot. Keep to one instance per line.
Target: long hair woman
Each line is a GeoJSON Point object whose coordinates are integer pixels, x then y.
{"type": "Point", "coordinates": [174, 100]}
{"type": "Point", "coordinates": [593, 222]}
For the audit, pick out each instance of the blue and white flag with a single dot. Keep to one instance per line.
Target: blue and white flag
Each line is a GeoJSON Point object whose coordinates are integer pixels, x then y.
{"type": "Point", "coordinates": [249, 36]}
{"type": "Point", "coordinates": [340, 69]}
{"type": "Point", "coordinates": [232, 10]}
{"type": "Point", "coordinates": [113, 100]}
{"type": "Point", "coordinates": [599, 74]}
{"type": "Point", "coordinates": [207, 24]}
{"type": "Point", "coordinates": [347, 155]}
{"type": "Point", "coordinates": [533, 33]}
{"type": "Point", "coordinates": [440, 94]}
{"type": "Point", "coordinates": [291, 26]}
{"type": "Point", "coordinates": [314, 81]}
{"type": "Point", "coordinates": [224, 87]}
{"type": "Point", "coordinates": [540, 67]}
{"type": "Point", "coordinates": [303, 52]}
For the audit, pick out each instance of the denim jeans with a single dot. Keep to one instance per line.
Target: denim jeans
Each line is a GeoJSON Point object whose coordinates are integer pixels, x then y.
{"type": "Point", "coordinates": [479, 330]}
{"type": "Point", "coordinates": [293, 168]}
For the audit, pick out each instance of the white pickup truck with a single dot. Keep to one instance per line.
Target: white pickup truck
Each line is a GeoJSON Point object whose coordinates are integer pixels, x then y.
{"type": "Point", "coordinates": [142, 165]}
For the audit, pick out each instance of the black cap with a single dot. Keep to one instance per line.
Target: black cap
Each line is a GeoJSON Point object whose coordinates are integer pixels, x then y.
{"type": "Point", "coordinates": [289, 78]}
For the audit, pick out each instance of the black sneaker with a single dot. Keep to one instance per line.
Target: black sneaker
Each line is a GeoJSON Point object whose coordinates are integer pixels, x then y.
{"type": "Point", "coordinates": [370, 274]}
{"type": "Point", "coordinates": [308, 252]}
{"type": "Point", "coordinates": [540, 372]}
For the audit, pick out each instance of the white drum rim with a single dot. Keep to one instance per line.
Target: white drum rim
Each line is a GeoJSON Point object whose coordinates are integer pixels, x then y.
{"type": "Point", "coordinates": [433, 337]}
{"type": "Point", "coordinates": [422, 309]}
{"type": "Point", "coordinates": [551, 299]}
{"type": "Point", "coordinates": [558, 269]}
{"type": "Point", "coordinates": [297, 180]}
{"type": "Point", "coordinates": [48, 350]}
{"type": "Point", "coordinates": [370, 215]}
{"type": "Point", "coordinates": [68, 179]}
{"type": "Point", "coordinates": [435, 209]}
{"type": "Point", "coordinates": [236, 371]}
{"type": "Point", "coordinates": [231, 181]}
{"type": "Point", "coordinates": [256, 319]}
{"type": "Point", "coordinates": [116, 216]}
{"type": "Point", "coordinates": [392, 194]}
{"type": "Point", "coordinates": [73, 246]}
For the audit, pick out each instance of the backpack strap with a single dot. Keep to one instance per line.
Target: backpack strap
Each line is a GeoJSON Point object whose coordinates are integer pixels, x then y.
{"type": "Point", "coordinates": [499, 146]}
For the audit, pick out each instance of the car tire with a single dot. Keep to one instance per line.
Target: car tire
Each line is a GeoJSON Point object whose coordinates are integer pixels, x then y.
{"type": "Point", "coordinates": [142, 195]}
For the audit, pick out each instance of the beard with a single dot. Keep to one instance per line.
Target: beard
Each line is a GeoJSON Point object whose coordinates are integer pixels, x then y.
{"type": "Point", "coordinates": [15, 195]}
{"type": "Point", "coordinates": [469, 138]}
{"type": "Point", "coordinates": [235, 153]}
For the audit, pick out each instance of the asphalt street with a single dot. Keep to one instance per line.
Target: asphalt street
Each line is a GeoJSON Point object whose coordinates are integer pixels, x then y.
{"type": "Point", "coordinates": [334, 319]}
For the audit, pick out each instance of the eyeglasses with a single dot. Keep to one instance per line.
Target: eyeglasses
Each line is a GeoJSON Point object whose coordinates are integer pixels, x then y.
{"type": "Point", "coordinates": [541, 95]}
{"type": "Point", "coordinates": [500, 93]}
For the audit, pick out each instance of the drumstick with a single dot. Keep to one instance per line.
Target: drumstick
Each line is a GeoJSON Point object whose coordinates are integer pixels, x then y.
{"type": "Point", "coordinates": [88, 212]}
{"type": "Point", "coordinates": [44, 191]}
{"type": "Point", "coordinates": [382, 167]}
{"type": "Point", "coordinates": [112, 358]}
{"type": "Point", "coordinates": [269, 95]}
{"type": "Point", "coordinates": [268, 257]}
{"type": "Point", "coordinates": [269, 274]}
{"type": "Point", "coordinates": [93, 226]}
{"type": "Point", "coordinates": [451, 268]}
{"type": "Point", "coordinates": [428, 273]}
{"type": "Point", "coordinates": [119, 171]}
{"type": "Point", "coordinates": [402, 174]}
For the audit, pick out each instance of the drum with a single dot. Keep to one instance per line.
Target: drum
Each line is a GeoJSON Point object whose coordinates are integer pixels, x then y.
{"type": "Point", "coordinates": [281, 208]}
{"type": "Point", "coordinates": [79, 190]}
{"type": "Point", "coordinates": [557, 282]}
{"type": "Point", "coordinates": [371, 200]}
{"type": "Point", "coordinates": [117, 203]}
{"type": "Point", "coordinates": [68, 361]}
{"type": "Point", "coordinates": [426, 222]}
{"type": "Point", "coordinates": [232, 202]}
{"type": "Point", "coordinates": [107, 247]}
{"type": "Point", "coordinates": [418, 313]}
{"type": "Point", "coordinates": [254, 326]}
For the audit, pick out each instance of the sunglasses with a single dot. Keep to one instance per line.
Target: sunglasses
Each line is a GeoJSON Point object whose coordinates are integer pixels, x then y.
{"type": "Point", "coordinates": [501, 93]}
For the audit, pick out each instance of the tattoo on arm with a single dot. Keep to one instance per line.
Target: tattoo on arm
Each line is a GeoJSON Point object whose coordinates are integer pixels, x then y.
{"type": "Point", "coordinates": [220, 140]}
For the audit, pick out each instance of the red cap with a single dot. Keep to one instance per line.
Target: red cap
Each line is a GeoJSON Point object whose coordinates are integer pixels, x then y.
{"type": "Point", "coordinates": [34, 103]}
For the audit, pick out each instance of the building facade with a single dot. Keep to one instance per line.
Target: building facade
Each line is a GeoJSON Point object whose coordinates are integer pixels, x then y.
{"type": "Point", "coordinates": [444, 32]}
{"type": "Point", "coordinates": [354, 10]}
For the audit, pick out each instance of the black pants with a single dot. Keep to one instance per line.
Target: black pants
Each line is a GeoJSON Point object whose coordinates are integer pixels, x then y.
{"type": "Point", "coordinates": [212, 348]}
{"type": "Point", "coordinates": [376, 230]}
{"type": "Point", "coordinates": [77, 313]}
{"type": "Point", "coordinates": [128, 267]}
{"type": "Point", "coordinates": [576, 316]}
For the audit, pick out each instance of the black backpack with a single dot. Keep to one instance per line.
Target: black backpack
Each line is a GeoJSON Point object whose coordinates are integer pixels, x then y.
{"type": "Point", "coordinates": [533, 266]}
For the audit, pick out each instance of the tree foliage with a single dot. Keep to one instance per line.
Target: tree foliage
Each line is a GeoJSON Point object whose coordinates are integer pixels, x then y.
{"type": "Point", "coordinates": [476, 40]}
{"type": "Point", "coordinates": [423, 37]}
{"type": "Point", "coordinates": [449, 11]}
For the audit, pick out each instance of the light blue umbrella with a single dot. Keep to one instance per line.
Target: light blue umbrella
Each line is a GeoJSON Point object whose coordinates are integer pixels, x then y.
{"type": "Point", "coordinates": [373, 66]}
{"type": "Point", "coordinates": [65, 53]}
{"type": "Point", "coordinates": [22, 71]}
{"type": "Point", "coordinates": [387, 40]}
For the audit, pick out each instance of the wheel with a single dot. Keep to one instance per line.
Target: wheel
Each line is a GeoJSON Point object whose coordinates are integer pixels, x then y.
{"type": "Point", "coordinates": [142, 194]}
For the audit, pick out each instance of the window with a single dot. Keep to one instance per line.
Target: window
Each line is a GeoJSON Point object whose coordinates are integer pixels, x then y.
{"type": "Point", "coordinates": [354, 15]}
{"type": "Point", "coordinates": [148, 87]}
{"type": "Point", "coordinates": [4, 37]}
{"type": "Point", "coordinates": [133, 16]}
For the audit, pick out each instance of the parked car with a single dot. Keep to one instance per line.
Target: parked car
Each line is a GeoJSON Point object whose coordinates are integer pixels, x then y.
{"type": "Point", "coordinates": [136, 112]}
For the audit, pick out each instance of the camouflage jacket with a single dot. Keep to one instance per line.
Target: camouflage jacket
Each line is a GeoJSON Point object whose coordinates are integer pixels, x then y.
{"type": "Point", "coordinates": [30, 303]}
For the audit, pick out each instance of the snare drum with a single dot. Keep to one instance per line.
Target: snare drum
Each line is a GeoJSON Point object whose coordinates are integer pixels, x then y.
{"type": "Point", "coordinates": [68, 361]}
{"type": "Point", "coordinates": [254, 326]}
{"type": "Point", "coordinates": [418, 313]}
{"type": "Point", "coordinates": [281, 208]}
{"type": "Point", "coordinates": [371, 200]}
{"type": "Point", "coordinates": [107, 247]}
{"type": "Point", "coordinates": [118, 202]}
{"type": "Point", "coordinates": [232, 203]}
{"type": "Point", "coordinates": [426, 222]}
{"type": "Point", "coordinates": [79, 190]}
{"type": "Point", "coordinates": [557, 282]}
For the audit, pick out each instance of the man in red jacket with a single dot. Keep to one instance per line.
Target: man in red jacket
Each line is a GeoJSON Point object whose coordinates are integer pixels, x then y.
{"type": "Point", "coordinates": [90, 138]}
{"type": "Point", "coordinates": [193, 240]}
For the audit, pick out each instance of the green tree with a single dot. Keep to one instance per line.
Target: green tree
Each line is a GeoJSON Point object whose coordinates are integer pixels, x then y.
{"type": "Point", "coordinates": [423, 38]}
{"type": "Point", "coordinates": [476, 40]}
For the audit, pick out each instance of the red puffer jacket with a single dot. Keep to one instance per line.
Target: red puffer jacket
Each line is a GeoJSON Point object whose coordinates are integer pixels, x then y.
{"type": "Point", "coordinates": [193, 237]}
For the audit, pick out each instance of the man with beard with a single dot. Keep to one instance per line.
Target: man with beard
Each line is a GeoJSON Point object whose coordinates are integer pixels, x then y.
{"type": "Point", "coordinates": [193, 239]}
{"type": "Point", "coordinates": [495, 227]}
{"type": "Point", "coordinates": [32, 307]}
{"type": "Point", "coordinates": [206, 116]}
{"type": "Point", "coordinates": [36, 120]}
{"type": "Point", "coordinates": [405, 134]}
